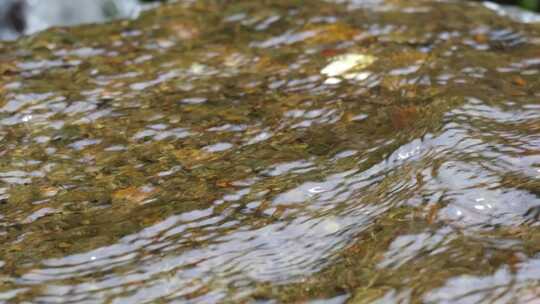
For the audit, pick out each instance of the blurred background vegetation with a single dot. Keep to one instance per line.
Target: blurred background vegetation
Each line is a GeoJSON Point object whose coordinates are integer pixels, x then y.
{"type": "Point", "coordinates": [533, 5]}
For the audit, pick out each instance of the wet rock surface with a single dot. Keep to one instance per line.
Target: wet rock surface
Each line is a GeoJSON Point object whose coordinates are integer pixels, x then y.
{"type": "Point", "coordinates": [253, 151]}
{"type": "Point", "coordinates": [20, 17]}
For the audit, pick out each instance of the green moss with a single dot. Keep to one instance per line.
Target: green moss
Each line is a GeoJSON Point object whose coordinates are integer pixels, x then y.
{"type": "Point", "coordinates": [23, 194]}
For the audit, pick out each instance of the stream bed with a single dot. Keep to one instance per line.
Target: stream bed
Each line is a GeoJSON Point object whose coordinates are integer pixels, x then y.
{"type": "Point", "coordinates": [245, 151]}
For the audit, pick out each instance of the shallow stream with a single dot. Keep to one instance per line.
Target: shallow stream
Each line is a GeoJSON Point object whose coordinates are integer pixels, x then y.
{"type": "Point", "coordinates": [273, 151]}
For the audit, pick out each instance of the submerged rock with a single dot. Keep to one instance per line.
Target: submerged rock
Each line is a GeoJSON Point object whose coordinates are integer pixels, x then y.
{"type": "Point", "coordinates": [344, 63]}
{"type": "Point", "coordinates": [341, 65]}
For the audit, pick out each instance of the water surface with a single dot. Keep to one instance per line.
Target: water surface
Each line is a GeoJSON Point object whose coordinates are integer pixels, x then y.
{"type": "Point", "coordinates": [246, 151]}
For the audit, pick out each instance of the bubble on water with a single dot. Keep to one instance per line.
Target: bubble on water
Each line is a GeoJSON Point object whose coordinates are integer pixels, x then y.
{"type": "Point", "coordinates": [403, 155]}
{"type": "Point", "coordinates": [316, 190]}
{"type": "Point", "coordinates": [26, 118]}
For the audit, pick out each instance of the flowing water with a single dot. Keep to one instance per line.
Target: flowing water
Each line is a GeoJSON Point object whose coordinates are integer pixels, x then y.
{"type": "Point", "coordinates": [273, 151]}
